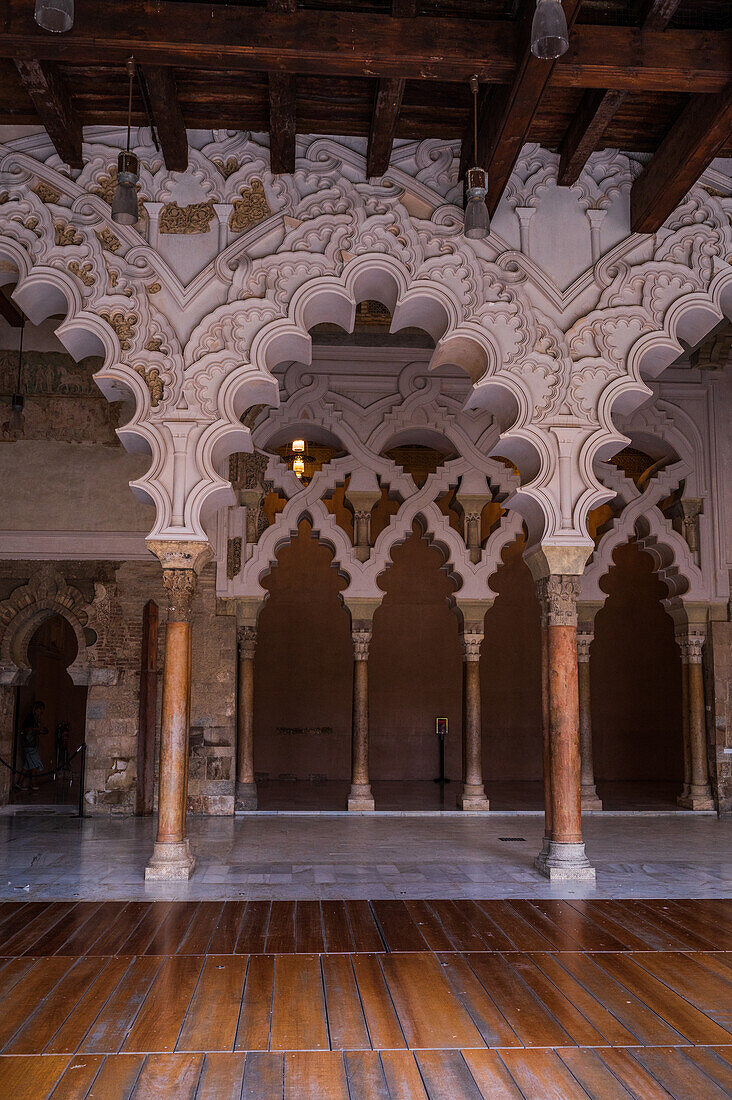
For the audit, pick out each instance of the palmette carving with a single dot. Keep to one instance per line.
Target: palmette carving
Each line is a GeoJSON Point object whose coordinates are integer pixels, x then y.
{"type": "Point", "coordinates": [180, 585]}
{"type": "Point", "coordinates": [246, 637]}
{"type": "Point", "coordinates": [558, 597]}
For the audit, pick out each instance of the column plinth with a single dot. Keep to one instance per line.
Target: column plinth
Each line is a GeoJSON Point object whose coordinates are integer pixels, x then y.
{"type": "Point", "coordinates": [699, 793]}
{"type": "Point", "coordinates": [473, 796]}
{"type": "Point", "coordinates": [563, 854]}
{"type": "Point", "coordinates": [171, 857]}
{"type": "Point", "coordinates": [246, 789]}
{"type": "Point", "coordinates": [360, 797]}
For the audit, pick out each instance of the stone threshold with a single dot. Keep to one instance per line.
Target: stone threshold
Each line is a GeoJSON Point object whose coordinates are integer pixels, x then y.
{"type": "Point", "coordinates": [492, 814]}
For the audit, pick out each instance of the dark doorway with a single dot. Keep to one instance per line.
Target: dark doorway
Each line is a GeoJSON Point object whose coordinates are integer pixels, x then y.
{"type": "Point", "coordinates": [51, 650]}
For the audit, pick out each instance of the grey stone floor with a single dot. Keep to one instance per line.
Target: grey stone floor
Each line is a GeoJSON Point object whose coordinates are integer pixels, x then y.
{"type": "Point", "coordinates": [307, 856]}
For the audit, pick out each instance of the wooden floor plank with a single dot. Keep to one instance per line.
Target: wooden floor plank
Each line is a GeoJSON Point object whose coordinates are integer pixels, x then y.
{"type": "Point", "coordinates": [491, 1075]}
{"type": "Point", "coordinates": [639, 1083]}
{"type": "Point", "coordinates": [82, 941]}
{"type": "Point", "coordinates": [161, 1017]}
{"type": "Point", "coordinates": [252, 937]}
{"type": "Point", "coordinates": [689, 925]}
{"type": "Point", "coordinates": [12, 972]}
{"type": "Point", "coordinates": [678, 1074]}
{"type": "Point", "coordinates": [226, 932]}
{"type": "Point", "coordinates": [678, 1013]}
{"type": "Point", "coordinates": [308, 927]}
{"type": "Point", "coordinates": [174, 1075]}
{"type": "Point", "coordinates": [480, 1006]}
{"type": "Point", "coordinates": [708, 992]}
{"type": "Point", "coordinates": [574, 1022]}
{"type": "Point", "coordinates": [365, 1075]}
{"type": "Point", "coordinates": [109, 1030]}
{"type": "Point", "coordinates": [18, 917]}
{"type": "Point", "coordinates": [80, 1018]}
{"type": "Point", "coordinates": [346, 1023]}
{"type": "Point", "coordinates": [113, 938]}
{"type": "Point", "coordinates": [212, 1018]}
{"type": "Point", "coordinates": [461, 932]}
{"type": "Point", "coordinates": [596, 912]}
{"type": "Point", "coordinates": [656, 913]}
{"type": "Point", "coordinates": [30, 1078]}
{"type": "Point", "coordinates": [55, 939]}
{"type": "Point", "coordinates": [169, 935]}
{"type": "Point", "coordinates": [611, 1029]}
{"type": "Point", "coordinates": [77, 1080]}
{"type": "Point", "coordinates": [27, 996]}
{"type": "Point", "coordinates": [593, 1074]}
{"type": "Point", "coordinates": [384, 1029]}
{"type": "Point", "coordinates": [633, 1013]}
{"type": "Point", "coordinates": [315, 1073]}
{"type": "Point", "coordinates": [403, 1078]}
{"type": "Point", "coordinates": [298, 1011]}
{"type": "Point", "coordinates": [222, 1077]}
{"type": "Point", "coordinates": [713, 1064]}
{"type": "Point", "coordinates": [117, 1077]}
{"type": "Point", "coordinates": [398, 929]}
{"type": "Point", "coordinates": [527, 1016]}
{"type": "Point", "coordinates": [366, 935]}
{"type": "Point", "coordinates": [542, 1075]}
{"type": "Point", "coordinates": [336, 929]}
{"type": "Point", "coordinates": [493, 938]}
{"type": "Point", "coordinates": [142, 934]}
{"type": "Point", "coordinates": [255, 1018]}
{"type": "Point", "coordinates": [429, 925]}
{"type": "Point", "coordinates": [521, 935]}
{"type": "Point", "coordinates": [281, 929]}
{"type": "Point", "coordinates": [638, 922]}
{"type": "Point", "coordinates": [718, 962]}
{"type": "Point", "coordinates": [446, 1075]}
{"type": "Point", "coordinates": [430, 1014]}
{"type": "Point", "coordinates": [586, 934]}
{"type": "Point", "coordinates": [199, 932]}
{"type": "Point", "coordinates": [28, 934]}
{"type": "Point", "coordinates": [263, 1077]}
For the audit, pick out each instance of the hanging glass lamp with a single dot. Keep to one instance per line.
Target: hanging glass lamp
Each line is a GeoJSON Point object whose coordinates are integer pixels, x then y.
{"type": "Point", "coordinates": [477, 222]}
{"type": "Point", "coordinates": [124, 202]}
{"type": "Point", "coordinates": [549, 34]}
{"type": "Point", "coordinates": [55, 16]}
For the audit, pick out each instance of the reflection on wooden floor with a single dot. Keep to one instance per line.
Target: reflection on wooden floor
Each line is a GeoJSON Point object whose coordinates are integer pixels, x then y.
{"type": "Point", "coordinates": [436, 1000]}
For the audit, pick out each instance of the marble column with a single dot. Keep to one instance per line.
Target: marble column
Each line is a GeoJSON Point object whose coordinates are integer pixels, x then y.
{"type": "Point", "coordinates": [564, 857]}
{"type": "Point", "coordinates": [590, 801]}
{"type": "Point", "coordinates": [359, 796]}
{"type": "Point", "coordinates": [545, 749]}
{"type": "Point", "coordinates": [473, 795]}
{"type": "Point", "coordinates": [246, 788]}
{"type": "Point", "coordinates": [172, 858]}
{"type": "Point", "coordinates": [699, 795]}
{"type": "Point", "coordinates": [685, 729]}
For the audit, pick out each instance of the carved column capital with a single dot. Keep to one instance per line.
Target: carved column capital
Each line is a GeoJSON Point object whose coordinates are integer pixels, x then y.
{"type": "Point", "coordinates": [471, 640]}
{"type": "Point", "coordinates": [180, 585]}
{"type": "Point", "coordinates": [558, 596]}
{"type": "Point", "coordinates": [691, 644]}
{"type": "Point", "coordinates": [584, 641]}
{"type": "Point", "coordinates": [361, 641]}
{"type": "Point", "coordinates": [246, 636]}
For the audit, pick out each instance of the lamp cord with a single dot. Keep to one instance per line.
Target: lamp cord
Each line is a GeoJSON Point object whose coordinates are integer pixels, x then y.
{"type": "Point", "coordinates": [129, 107]}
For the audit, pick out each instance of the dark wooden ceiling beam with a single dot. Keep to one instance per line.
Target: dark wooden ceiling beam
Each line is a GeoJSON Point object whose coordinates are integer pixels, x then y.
{"type": "Point", "coordinates": [167, 116]}
{"type": "Point", "coordinates": [506, 125]}
{"type": "Point", "coordinates": [8, 309]}
{"type": "Point", "coordinates": [45, 86]}
{"type": "Point", "coordinates": [387, 105]}
{"type": "Point", "coordinates": [598, 108]}
{"type": "Point", "coordinates": [282, 107]}
{"type": "Point", "coordinates": [691, 144]}
{"type": "Point", "coordinates": [338, 43]}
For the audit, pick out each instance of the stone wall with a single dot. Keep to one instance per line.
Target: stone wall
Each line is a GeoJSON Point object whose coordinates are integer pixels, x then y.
{"type": "Point", "coordinates": [718, 664]}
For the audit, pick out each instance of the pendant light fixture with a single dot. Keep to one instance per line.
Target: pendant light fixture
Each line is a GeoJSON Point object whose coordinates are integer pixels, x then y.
{"type": "Point", "coordinates": [300, 462]}
{"type": "Point", "coordinates": [549, 34]}
{"type": "Point", "coordinates": [56, 16]}
{"type": "Point", "coordinates": [477, 223]}
{"type": "Point", "coordinates": [124, 203]}
{"type": "Point", "coordinates": [15, 423]}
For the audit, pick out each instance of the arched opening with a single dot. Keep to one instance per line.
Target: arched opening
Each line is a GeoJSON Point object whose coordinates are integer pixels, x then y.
{"type": "Point", "coordinates": [52, 648]}
{"type": "Point", "coordinates": [303, 674]}
{"type": "Point", "coordinates": [510, 676]}
{"type": "Point", "coordinates": [635, 677]}
{"type": "Point", "coordinates": [414, 679]}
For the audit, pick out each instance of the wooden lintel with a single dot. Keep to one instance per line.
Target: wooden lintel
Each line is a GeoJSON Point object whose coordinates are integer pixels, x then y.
{"type": "Point", "coordinates": [691, 144]}
{"type": "Point", "coordinates": [45, 86]}
{"type": "Point", "coordinates": [11, 313]}
{"type": "Point", "coordinates": [282, 122]}
{"type": "Point", "coordinates": [594, 114]}
{"type": "Point", "coordinates": [167, 116]}
{"type": "Point", "coordinates": [384, 118]}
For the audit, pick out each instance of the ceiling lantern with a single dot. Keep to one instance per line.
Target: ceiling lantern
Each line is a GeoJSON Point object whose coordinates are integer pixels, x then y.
{"type": "Point", "coordinates": [124, 203]}
{"type": "Point", "coordinates": [477, 223]}
{"type": "Point", "coordinates": [549, 34]}
{"type": "Point", "coordinates": [55, 16]}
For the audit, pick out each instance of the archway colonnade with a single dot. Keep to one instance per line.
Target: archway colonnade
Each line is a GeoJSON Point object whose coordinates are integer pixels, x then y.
{"type": "Point", "coordinates": [552, 374]}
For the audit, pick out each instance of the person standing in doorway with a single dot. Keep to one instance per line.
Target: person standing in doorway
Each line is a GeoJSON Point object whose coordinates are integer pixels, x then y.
{"type": "Point", "coordinates": [30, 736]}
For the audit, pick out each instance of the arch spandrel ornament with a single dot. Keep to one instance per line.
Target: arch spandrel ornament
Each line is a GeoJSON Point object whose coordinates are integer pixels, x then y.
{"type": "Point", "coordinates": [554, 365]}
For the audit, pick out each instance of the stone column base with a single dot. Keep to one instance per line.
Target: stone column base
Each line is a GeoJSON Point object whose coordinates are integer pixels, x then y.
{"type": "Point", "coordinates": [473, 802]}
{"type": "Point", "coordinates": [590, 800]}
{"type": "Point", "coordinates": [360, 797]}
{"type": "Point", "coordinates": [697, 799]}
{"type": "Point", "coordinates": [170, 861]}
{"type": "Point", "coordinates": [245, 797]}
{"type": "Point", "coordinates": [565, 862]}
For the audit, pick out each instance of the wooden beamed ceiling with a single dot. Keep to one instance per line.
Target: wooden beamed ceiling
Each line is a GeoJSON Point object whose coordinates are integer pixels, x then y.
{"type": "Point", "coordinates": [645, 75]}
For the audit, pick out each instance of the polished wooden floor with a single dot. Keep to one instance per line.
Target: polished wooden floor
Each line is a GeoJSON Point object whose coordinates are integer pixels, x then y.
{"type": "Point", "coordinates": [383, 1000]}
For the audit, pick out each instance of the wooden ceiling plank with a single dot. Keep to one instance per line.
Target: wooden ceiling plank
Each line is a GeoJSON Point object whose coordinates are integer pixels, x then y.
{"type": "Point", "coordinates": [506, 126]}
{"type": "Point", "coordinates": [598, 108]}
{"type": "Point", "coordinates": [691, 144]}
{"type": "Point", "coordinates": [387, 105]}
{"type": "Point", "coordinates": [341, 43]}
{"type": "Point", "coordinates": [282, 107]}
{"type": "Point", "coordinates": [45, 86]}
{"type": "Point", "coordinates": [167, 116]}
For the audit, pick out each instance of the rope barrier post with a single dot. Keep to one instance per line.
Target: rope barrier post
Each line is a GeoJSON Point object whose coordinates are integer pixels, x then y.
{"type": "Point", "coordinates": [82, 771]}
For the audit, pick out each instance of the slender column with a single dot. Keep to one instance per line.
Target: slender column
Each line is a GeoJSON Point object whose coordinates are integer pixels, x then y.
{"type": "Point", "coordinates": [360, 797]}
{"type": "Point", "coordinates": [565, 858]}
{"type": "Point", "coordinates": [590, 801]}
{"type": "Point", "coordinates": [246, 788]}
{"type": "Point", "coordinates": [171, 858]}
{"type": "Point", "coordinates": [699, 796]}
{"type": "Point", "coordinates": [473, 795]}
{"type": "Point", "coordinates": [545, 751]}
{"type": "Point", "coordinates": [685, 729]}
